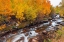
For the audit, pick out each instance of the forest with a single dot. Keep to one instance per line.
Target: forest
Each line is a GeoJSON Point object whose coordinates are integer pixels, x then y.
{"type": "Point", "coordinates": [20, 11]}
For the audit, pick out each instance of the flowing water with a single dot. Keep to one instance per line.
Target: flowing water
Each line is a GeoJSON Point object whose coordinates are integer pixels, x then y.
{"type": "Point", "coordinates": [24, 35]}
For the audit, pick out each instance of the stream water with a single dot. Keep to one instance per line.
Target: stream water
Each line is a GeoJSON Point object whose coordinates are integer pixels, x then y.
{"type": "Point", "coordinates": [26, 34]}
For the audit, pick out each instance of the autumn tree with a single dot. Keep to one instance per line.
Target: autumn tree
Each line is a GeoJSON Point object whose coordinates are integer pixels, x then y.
{"type": "Point", "coordinates": [57, 9]}
{"type": "Point", "coordinates": [5, 7]}
{"type": "Point", "coordinates": [61, 10]}
{"type": "Point", "coordinates": [18, 8]}
{"type": "Point", "coordinates": [28, 10]}
{"type": "Point", "coordinates": [43, 7]}
{"type": "Point", "coordinates": [30, 14]}
{"type": "Point", "coordinates": [25, 9]}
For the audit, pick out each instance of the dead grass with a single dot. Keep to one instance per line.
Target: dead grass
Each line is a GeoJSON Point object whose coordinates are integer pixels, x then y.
{"type": "Point", "coordinates": [59, 36]}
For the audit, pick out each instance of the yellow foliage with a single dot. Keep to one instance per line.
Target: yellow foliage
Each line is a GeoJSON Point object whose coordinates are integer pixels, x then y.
{"type": "Point", "coordinates": [30, 7]}
{"type": "Point", "coordinates": [30, 13]}
{"type": "Point", "coordinates": [20, 10]}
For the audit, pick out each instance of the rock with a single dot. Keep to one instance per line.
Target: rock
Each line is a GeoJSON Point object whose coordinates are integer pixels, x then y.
{"type": "Point", "coordinates": [44, 32]}
{"type": "Point", "coordinates": [40, 26]}
{"type": "Point", "coordinates": [51, 28]}
{"type": "Point", "coordinates": [33, 40]}
{"type": "Point", "coordinates": [32, 33]}
{"type": "Point", "coordinates": [46, 23]}
{"type": "Point", "coordinates": [57, 16]}
{"type": "Point", "coordinates": [53, 16]}
{"type": "Point", "coordinates": [36, 27]}
{"type": "Point", "coordinates": [20, 31]}
{"type": "Point", "coordinates": [62, 23]}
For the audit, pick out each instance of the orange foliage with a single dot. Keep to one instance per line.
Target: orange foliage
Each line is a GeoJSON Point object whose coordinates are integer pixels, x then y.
{"type": "Point", "coordinates": [44, 6]}
{"type": "Point", "coordinates": [18, 7]}
{"type": "Point", "coordinates": [24, 9]}
{"type": "Point", "coordinates": [5, 7]}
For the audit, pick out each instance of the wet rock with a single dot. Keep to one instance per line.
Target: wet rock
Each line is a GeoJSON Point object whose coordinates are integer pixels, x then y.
{"type": "Point", "coordinates": [32, 33]}
{"type": "Point", "coordinates": [20, 31]}
{"type": "Point", "coordinates": [62, 23]}
{"type": "Point", "coordinates": [51, 28]}
{"type": "Point", "coordinates": [40, 26]}
{"type": "Point", "coordinates": [44, 32]}
{"type": "Point", "coordinates": [33, 40]}
{"type": "Point", "coordinates": [57, 16]}
{"type": "Point", "coordinates": [36, 27]}
{"type": "Point", "coordinates": [46, 23]}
